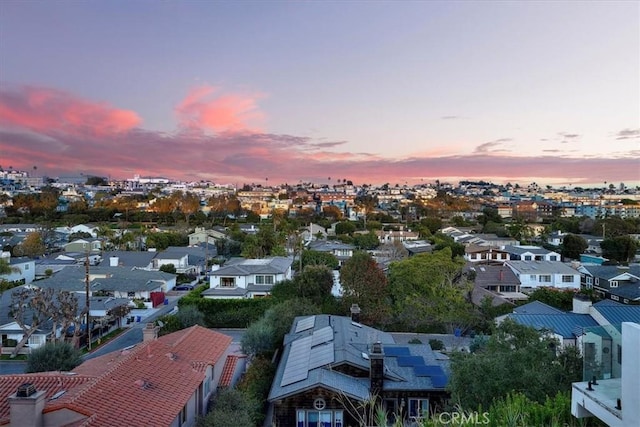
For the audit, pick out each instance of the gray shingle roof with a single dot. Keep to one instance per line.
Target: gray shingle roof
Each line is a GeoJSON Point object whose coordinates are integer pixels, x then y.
{"type": "Point", "coordinates": [120, 279]}
{"type": "Point", "coordinates": [350, 343]}
{"type": "Point", "coordinates": [246, 267]}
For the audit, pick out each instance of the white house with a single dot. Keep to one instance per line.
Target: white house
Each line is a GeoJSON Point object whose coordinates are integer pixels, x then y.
{"type": "Point", "coordinates": [531, 253]}
{"type": "Point", "coordinates": [534, 274]}
{"type": "Point", "coordinates": [23, 269]}
{"type": "Point", "coordinates": [248, 278]}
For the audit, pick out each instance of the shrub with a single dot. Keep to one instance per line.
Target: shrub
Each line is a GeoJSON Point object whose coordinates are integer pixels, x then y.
{"type": "Point", "coordinates": [436, 344]}
{"type": "Point", "coordinates": [53, 356]}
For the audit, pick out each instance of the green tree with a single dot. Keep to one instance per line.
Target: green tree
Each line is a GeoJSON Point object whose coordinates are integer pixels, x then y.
{"type": "Point", "coordinates": [434, 224]}
{"type": "Point", "coordinates": [345, 227]}
{"type": "Point", "coordinates": [366, 241]}
{"type": "Point", "coordinates": [429, 289]}
{"type": "Point", "coordinates": [365, 284]}
{"type": "Point", "coordinates": [310, 257]}
{"type": "Point", "coordinates": [54, 356]}
{"type": "Point", "coordinates": [168, 268]}
{"type": "Point", "coordinates": [620, 248]}
{"type": "Point", "coordinates": [314, 282]}
{"type": "Point", "coordinates": [230, 408]}
{"type": "Point", "coordinates": [515, 358]}
{"type": "Point", "coordinates": [573, 246]}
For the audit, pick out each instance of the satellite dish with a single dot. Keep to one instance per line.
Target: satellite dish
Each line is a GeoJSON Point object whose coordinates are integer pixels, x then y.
{"type": "Point", "coordinates": [161, 323]}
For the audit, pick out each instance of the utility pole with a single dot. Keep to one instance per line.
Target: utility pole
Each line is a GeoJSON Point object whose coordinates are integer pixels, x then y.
{"type": "Point", "coordinates": [86, 282]}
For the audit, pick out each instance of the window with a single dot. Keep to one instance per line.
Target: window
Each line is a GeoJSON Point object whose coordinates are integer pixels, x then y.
{"type": "Point", "coordinates": [264, 280]}
{"type": "Point", "coordinates": [228, 282]}
{"type": "Point", "coordinates": [553, 258]}
{"type": "Point", "coordinates": [619, 354]}
{"type": "Point", "coordinates": [589, 280]}
{"type": "Point", "coordinates": [131, 294]}
{"type": "Point", "coordinates": [313, 418]}
{"type": "Point", "coordinates": [532, 277]}
{"type": "Point", "coordinates": [183, 416]}
{"type": "Point", "coordinates": [545, 278]}
{"type": "Point", "coordinates": [567, 278]}
{"type": "Point", "coordinates": [527, 257]}
{"type": "Point", "coordinates": [26, 266]}
{"type": "Point", "coordinates": [614, 284]}
{"type": "Point", "coordinates": [419, 408]}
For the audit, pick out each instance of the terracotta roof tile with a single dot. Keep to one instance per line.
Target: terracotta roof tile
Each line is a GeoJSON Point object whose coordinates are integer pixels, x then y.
{"type": "Point", "coordinates": [147, 385]}
{"type": "Point", "coordinates": [228, 370]}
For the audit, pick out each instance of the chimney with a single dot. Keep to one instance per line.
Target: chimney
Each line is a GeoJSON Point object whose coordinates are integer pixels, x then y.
{"type": "Point", "coordinates": [150, 332]}
{"type": "Point", "coordinates": [26, 406]}
{"type": "Point", "coordinates": [113, 261]}
{"type": "Point", "coordinates": [355, 313]}
{"type": "Point", "coordinates": [376, 371]}
{"type": "Point", "coordinates": [581, 304]}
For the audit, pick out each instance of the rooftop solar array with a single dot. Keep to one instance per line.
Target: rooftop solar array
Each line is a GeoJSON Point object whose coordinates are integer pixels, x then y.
{"type": "Point", "coordinates": [306, 323]}
{"type": "Point", "coordinates": [428, 370]}
{"type": "Point", "coordinates": [308, 352]}
{"type": "Point", "coordinates": [439, 381]}
{"type": "Point", "coordinates": [297, 368]}
{"type": "Point", "coordinates": [410, 361]}
{"type": "Point", "coordinates": [322, 335]}
{"type": "Point", "coordinates": [321, 355]}
{"type": "Point", "coordinates": [397, 351]}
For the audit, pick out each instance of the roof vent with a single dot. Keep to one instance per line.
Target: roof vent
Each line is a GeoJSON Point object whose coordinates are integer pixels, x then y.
{"type": "Point", "coordinates": [25, 390]}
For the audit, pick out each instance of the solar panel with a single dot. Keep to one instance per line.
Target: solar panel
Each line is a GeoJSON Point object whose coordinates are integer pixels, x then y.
{"type": "Point", "coordinates": [428, 371]}
{"type": "Point", "coordinates": [321, 355]}
{"type": "Point", "coordinates": [439, 381]}
{"type": "Point", "coordinates": [322, 335]}
{"type": "Point", "coordinates": [410, 361]}
{"type": "Point", "coordinates": [297, 367]}
{"type": "Point", "coordinates": [397, 351]}
{"type": "Point", "coordinates": [306, 323]}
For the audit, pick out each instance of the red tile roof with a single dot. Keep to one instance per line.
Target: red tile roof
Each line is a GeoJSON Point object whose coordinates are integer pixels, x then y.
{"type": "Point", "coordinates": [147, 385]}
{"type": "Point", "coordinates": [229, 369]}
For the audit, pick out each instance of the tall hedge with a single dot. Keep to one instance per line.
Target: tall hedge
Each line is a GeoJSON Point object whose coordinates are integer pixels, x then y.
{"type": "Point", "coordinates": [228, 313]}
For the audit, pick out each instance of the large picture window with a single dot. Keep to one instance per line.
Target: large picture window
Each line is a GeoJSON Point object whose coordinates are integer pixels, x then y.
{"type": "Point", "coordinates": [313, 418]}
{"type": "Point", "coordinates": [228, 282]}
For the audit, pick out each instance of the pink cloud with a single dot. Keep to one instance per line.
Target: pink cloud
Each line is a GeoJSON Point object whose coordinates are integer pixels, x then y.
{"type": "Point", "coordinates": [203, 108]}
{"type": "Point", "coordinates": [51, 111]}
{"type": "Point", "coordinates": [31, 135]}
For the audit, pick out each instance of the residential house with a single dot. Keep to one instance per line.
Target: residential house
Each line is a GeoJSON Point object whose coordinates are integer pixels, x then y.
{"type": "Point", "coordinates": [202, 235]}
{"type": "Point", "coordinates": [23, 269]}
{"type": "Point", "coordinates": [531, 253]}
{"type": "Point", "coordinates": [499, 280]}
{"type": "Point", "coordinates": [342, 251]}
{"type": "Point", "coordinates": [331, 364]}
{"type": "Point", "coordinates": [618, 283]}
{"type": "Point", "coordinates": [393, 236]}
{"type": "Point", "coordinates": [130, 259]}
{"type": "Point", "coordinates": [117, 282]}
{"type": "Point", "coordinates": [11, 332]}
{"type": "Point", "coordinates": [566, 327]}
{"type": "Point", "coordinates": [186, 259]}
{"type": "Point", "coordinates": [313, 232]}
{"type": "Point", "coordinates": [484, 254]}
{"type": "Point", "coordinates": [415, 247]}
{"type": "Point", "coordinates": [83, 246]}
{"type": "Point", "coordinates": [166, 381]}
{"type": "Point", "coordinates": [535, 274]}
{"type": "Point", "coordinates": [248, 278]}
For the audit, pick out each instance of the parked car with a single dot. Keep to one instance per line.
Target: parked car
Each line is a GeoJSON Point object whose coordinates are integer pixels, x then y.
{"type": "Point", "coordinates": [183, 288]}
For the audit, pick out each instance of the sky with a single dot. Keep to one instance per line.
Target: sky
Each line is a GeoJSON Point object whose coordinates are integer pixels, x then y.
{"type": "Point", "coordinates": [288, 91]}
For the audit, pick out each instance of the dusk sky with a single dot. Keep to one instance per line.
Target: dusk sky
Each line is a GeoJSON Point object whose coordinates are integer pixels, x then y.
{"type": "Point", "coordinates": [370, 91]}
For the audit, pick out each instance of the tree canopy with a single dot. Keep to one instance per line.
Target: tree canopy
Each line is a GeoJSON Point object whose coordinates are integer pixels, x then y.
{"type": "Point", "coordinates": [573, 246]}
{"type": "Point", "coordinates": [365, 284]}
{"type": "Point", "coordinates": [620, 248]}
{"type": "Point", "coordinates": [515, 358]}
